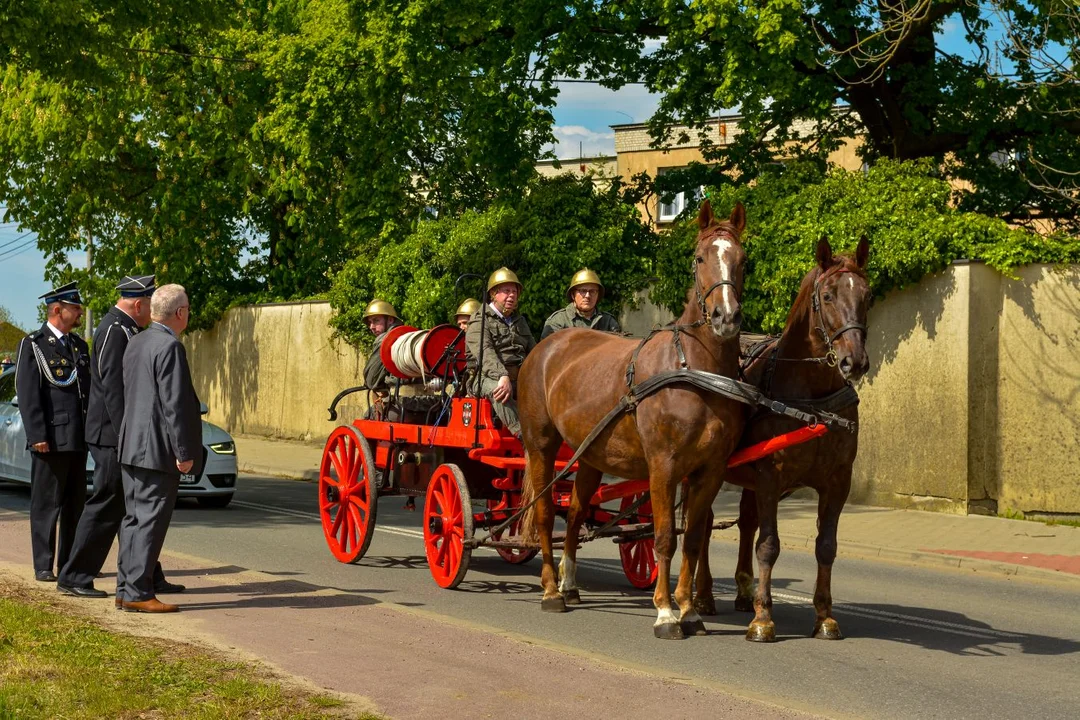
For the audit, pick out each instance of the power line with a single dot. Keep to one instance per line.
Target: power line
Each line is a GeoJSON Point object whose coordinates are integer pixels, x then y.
{"type": "Point", "coordinates": [12, 242]}
{"type": "Point", "coordinates": [17, 249]}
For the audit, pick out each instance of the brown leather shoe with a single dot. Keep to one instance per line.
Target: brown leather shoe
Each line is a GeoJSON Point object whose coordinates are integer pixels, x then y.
{"type": "Point", "coordinates": [153, 605]}
{"type": "Point", "coordinates": [119, 603]}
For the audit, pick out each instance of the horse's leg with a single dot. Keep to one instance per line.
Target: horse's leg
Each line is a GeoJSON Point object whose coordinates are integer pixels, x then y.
{"type": "Point", "coordinates": [704, 602]}
{"type": "Point", "coordinates": [762, 628]}
{"type": "Point", "coordinates": [744, 570]}
{"type": "Point", "coordinates": [585, 484]}
{"type": "Point", "coordinates": [540, 468]}
{"type": "Point", "coordinates": [662, 495]}
{"type": "Point", "coordinates": [830, 504]}
{"type": "Point", "coordinates": [703, 487]}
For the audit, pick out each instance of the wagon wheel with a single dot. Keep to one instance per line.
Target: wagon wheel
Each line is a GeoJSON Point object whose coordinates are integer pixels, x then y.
{"type": "Point", "coordinates": [347, 495]}
{"type": "Point", "coordinates": [514, 556]}
{"type": "Point", "coordinates": [448, 523]}
{"type": "Point", "coordinates": [638, 557]}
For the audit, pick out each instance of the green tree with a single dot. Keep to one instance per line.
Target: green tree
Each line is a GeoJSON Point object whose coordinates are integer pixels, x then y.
{"type": "Point", "coordinates": [558, 227]}
{"type": "Point", "coordinates": [903, 207]}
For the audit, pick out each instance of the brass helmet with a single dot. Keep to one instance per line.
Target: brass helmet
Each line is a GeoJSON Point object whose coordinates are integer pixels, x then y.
{"type": "Point", "coordinates": [501, 276]}
{"type": "Point", "coordinates": [380, 307]}
{"type": "Point", "coordinates": [468, 307]}
{"type": "Point", "coordinates": [585, 276]}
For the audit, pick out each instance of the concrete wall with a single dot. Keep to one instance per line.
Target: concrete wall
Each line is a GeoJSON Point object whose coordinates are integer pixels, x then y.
{"type": "Point", "coordinates": [273, 370]}
{"type": "Point", "coordinates": [972, 402]}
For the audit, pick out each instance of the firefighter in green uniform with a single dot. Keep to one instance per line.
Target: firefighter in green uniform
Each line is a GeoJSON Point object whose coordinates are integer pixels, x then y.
{"type": "Point", "coordinates": [380, 317]}
{"type": "Point", "coordinates": [506, 341]}
{"type": "Point", "coordinates": [464, 312]}
{"type": "Point", "coordinates": [585, 292]}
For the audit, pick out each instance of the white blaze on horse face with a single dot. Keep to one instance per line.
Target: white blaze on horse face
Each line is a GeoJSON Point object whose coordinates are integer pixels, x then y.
{"type": "Point", "coordinates": [851, 282]}
{"type": "Point", "coordinates": [666, 616]}
{"type": "Point", "coordinates": [567, 574]}
{"type": "Point", "coordinates": [727, 291]}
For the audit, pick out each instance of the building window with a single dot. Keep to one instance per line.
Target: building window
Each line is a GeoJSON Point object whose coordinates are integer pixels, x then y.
{"type": "Point", "coordinates": [669, 211]}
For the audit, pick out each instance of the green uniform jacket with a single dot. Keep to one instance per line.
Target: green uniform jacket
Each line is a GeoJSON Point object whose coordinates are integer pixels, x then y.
{"type": "Point", "coordinates": [505, 346]}
{"type": "Point", "coordinates": [569, 317]}
{"type": "Point", "coordinates": [376, 376]}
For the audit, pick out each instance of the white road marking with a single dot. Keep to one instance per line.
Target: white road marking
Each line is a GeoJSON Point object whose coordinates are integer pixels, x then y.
{"type": "Point", "coordinates": [923, 623]}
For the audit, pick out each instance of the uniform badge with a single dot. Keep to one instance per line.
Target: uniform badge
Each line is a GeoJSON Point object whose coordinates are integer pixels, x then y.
{"type": "Point", "coordinates": [59, 372]}
{"type": "Point", "coordinates": [52, 362]}
{"type": "Point", "coordinates": [52, 341]}
{"type": "Point", "coordinates": [63, 361]}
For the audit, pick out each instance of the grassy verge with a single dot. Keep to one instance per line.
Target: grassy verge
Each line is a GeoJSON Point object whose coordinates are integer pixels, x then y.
{"type": "Point", "coordinates": [1067, 521]}
{"type": "Point", "coordinates": [56, 665]}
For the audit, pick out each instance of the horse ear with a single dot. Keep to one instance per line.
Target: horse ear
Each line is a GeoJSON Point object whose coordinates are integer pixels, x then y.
{"type": "Point", "coordinates": [824, 253]}
{"type": "Point", "coordinates": [738, 217]}
{"type": "Point", "coordinates": [862, 253]}
{"type": "Point", "coordinates": [705, 216]}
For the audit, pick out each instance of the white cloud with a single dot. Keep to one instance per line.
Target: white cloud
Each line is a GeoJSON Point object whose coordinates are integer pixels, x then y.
{"type": "Point", "coordinates": [572, 140]}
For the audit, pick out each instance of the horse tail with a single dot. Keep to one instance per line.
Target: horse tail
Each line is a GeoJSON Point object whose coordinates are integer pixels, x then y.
{"type": "Point", "coordinates": [530, 533]}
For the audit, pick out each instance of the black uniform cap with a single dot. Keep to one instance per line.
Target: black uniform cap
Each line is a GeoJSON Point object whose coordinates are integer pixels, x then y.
{"type": "Point", "coordinates": [65, 293]}
{"type": "Point", "coordinates": [134, 286]}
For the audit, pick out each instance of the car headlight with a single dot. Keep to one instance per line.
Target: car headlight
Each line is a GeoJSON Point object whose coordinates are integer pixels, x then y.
{"type": "Point", "coordinates": [224, 448]}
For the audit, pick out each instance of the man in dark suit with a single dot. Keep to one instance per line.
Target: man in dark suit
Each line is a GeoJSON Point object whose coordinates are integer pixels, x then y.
{"type": "Point", "coordinates": [101, 518]}
{"type": "Point", "coordinates": [160, 438]}
{"type": "Point", "coordinates": [52, 380]}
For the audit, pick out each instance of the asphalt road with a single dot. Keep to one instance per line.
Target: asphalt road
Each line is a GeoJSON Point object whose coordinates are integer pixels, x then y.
{"type": "Point", "coordinates": [920, 643]}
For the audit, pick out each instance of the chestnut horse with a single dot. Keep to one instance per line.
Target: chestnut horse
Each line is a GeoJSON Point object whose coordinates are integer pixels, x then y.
{"type": "Point", "coordinates": [820, 351]}
{"type": "Point", "coordinates": [573, 378]}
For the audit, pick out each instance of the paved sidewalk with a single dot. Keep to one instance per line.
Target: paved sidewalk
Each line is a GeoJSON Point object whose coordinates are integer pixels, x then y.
{"type": "Point", "coordinates": [972, 542]}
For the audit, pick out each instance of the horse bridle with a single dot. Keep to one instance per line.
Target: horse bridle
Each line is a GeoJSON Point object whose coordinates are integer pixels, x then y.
{"type": "Point", "coordinates": [819, 321]}
{"type": "Point", "coordinates": [701, 297]}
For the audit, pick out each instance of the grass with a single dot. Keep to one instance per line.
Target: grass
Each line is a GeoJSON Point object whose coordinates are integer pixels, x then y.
{"type": "Point", "coordinates": [1051, 520]}
{"type": "Point", "coordinates": [56, 665]}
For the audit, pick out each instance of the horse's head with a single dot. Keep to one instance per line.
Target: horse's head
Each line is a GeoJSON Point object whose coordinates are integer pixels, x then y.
{"type": "Point", "coordinates": [841, 298]}
{"type": "Point", "coordinates": [718, 269]}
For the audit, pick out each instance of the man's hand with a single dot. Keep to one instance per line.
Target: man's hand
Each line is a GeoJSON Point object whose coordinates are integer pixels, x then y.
{"type": "Point", "coordinates": [41, 447]}
{"type": "Point", "coordinates": [503, 390]}
{"type": "Point", "coordinates": [185, 466]}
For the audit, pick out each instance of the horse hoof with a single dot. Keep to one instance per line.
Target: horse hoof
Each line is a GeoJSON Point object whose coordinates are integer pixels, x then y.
{"type": "Point", "coordinates": [828, 629]}
{"type": "Point", "coordinates": [744, 604]}
{"type": "Point", "coordinates": [553, 604]}
{"type": "Point", "coordinates": [705, 606]}
{"type": "Point", "coordinates": [669, 631]}
{"type": "Point", "coordinates": [694, 627]}
{"type": "Point", "coordinates": [761, 632]}
{"type": "Point", "coordinates": [572, 597]}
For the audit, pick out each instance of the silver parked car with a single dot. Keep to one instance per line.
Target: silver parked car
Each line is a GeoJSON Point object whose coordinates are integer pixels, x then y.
{"type": "Point", "coordinates": [214, 488]}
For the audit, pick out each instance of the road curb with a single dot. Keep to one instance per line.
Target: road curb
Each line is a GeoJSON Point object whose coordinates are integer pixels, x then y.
{"type": "Point", "coordinates": [865, 551]}
{"type": "Point", "coordinates": [268, 470]}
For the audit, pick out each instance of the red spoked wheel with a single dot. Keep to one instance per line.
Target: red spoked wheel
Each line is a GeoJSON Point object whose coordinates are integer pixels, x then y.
{"type": "Point", "coordinates": [347, 495]}
{"type": "Point", "coordinates": [448, 523]}
{"type": "Point", "coordinates": [638, 557]}
{"type": "Point", "coordinates": [509, 504]}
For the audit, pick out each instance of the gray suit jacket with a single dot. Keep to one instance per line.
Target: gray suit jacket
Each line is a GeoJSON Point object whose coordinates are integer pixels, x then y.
{"type": "Point", "coordinates": [161, 410]}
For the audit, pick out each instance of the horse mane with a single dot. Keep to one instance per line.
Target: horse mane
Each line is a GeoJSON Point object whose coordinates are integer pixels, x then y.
{"type": "Point", "coordinates": [690, 305]}
{"type": "Point", "coordinates": [801, 306]}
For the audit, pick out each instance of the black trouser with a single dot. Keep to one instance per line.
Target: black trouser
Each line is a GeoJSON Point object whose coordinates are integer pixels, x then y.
{"type": "Point", "coordinates": [99, 524]}
{"type": "Point", "coordinates": [149, 499]}
{"type": "Point", "coordinates": [57, 491]}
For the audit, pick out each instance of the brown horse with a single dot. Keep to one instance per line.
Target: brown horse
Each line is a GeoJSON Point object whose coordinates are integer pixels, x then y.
{"type": "Point", "coordinates": [572, 379]}
{"type": "Point", "coordinates": [820, 351]}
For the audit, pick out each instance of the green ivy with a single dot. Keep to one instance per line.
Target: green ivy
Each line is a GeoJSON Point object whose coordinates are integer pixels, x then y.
{"type": "Point", "coordinates": [903, 207]}
{"type": "Point", "coordinates": [559, 226]}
